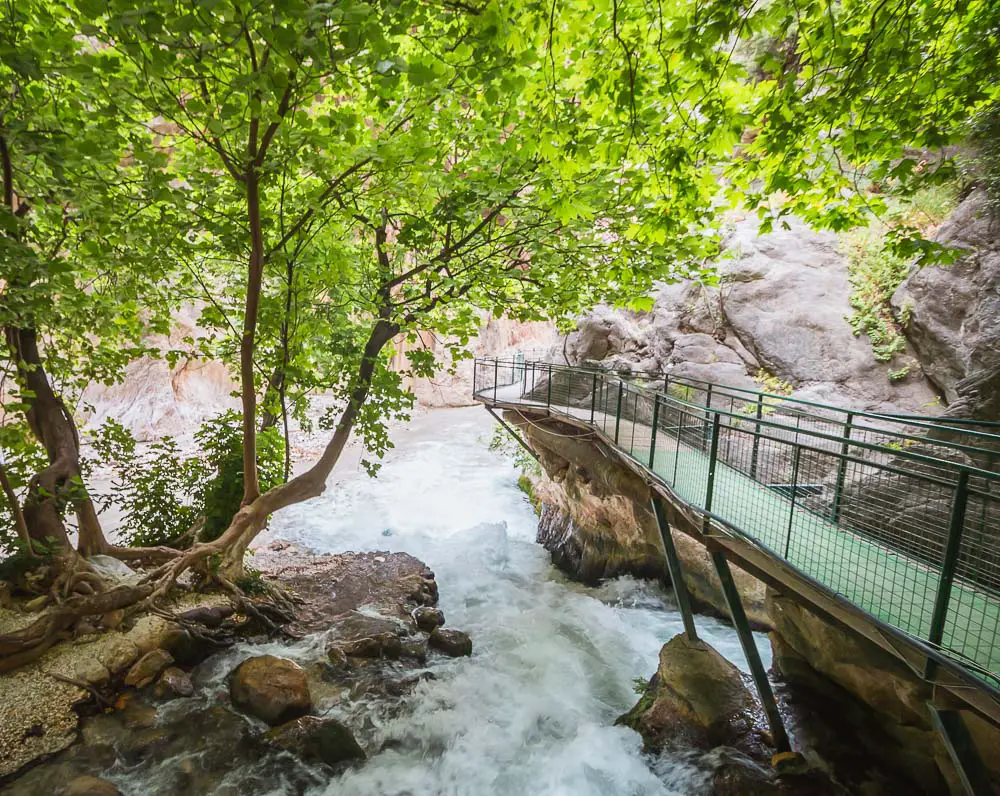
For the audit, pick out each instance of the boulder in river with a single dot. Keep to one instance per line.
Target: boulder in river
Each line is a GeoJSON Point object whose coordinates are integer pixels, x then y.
{"type": "Point", "coordinates": [275, 690]}
{"type": "Point", "coordinates": [696, 697]}
{"type": "Point", "coordinates": [316, 740]}
{"type": "Point", "coordinates": [174, 682]}
{"type": "Point", "coordinates": [382, 645]}
{"type": "Point", "coordinates": [428, 618]}
{"type": "Point", "coordinates": [451, 642]}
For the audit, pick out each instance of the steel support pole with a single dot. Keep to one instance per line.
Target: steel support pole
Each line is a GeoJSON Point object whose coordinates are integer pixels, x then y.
{"type": "Point", "coordinates": [713, 458]}
{"type": "Point", "coordinates": [742, 626]}
{"type": "Point", "coordinates": [955, 527]}
{"type": "Point", "coordinates": [708, 411]}
{"type": "Point", "coordinates": [962, 751]}
{"type": "Point", "coordinates": [754, 456]}
{"type": "Point", "coordinates": [795, 488]}
{"type": "Point", "coordinates": [674, 567]}
{"type": "Point", "coordinates": [677, 450]}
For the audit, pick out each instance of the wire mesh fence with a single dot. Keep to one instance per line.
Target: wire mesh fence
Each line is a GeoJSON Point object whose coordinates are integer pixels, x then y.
{"type": "Point", "coordinates": [899, 516]}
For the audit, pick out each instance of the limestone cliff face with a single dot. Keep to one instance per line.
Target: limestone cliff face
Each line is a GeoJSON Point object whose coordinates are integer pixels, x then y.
{"type": "Point", "coordinates": [597, 521]}
{"type": "Point", "coordinates": [452, 385]}
{"type": "Point", "coordinates": [954, 312]}
{"type": "Point", "coordinates": [156, 400]}
{"type": "Point", "coordinates": [781, 306]}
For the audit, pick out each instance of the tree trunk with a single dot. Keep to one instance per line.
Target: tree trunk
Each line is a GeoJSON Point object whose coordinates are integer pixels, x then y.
{"type": "Point", "coordinates": [251, 482]}
{"type": "Point", "coordinates": [275, 385]}
{"type": "Point", "coordinates": [252, 518]}
{"type": "Point", "coordinates": [15, 509]}
{"type": "Point", "coordinates": [53, 426]}
{"type": "Point", "coordinates": [61, 483]}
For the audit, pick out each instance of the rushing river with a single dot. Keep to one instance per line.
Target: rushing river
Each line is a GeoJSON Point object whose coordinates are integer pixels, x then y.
{"type": "Point", "coordinates": [530, 713]}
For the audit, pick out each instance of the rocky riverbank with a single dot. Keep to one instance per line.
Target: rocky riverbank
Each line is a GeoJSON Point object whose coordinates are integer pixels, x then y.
{"type": "Point", "coordinates": [365, 632]}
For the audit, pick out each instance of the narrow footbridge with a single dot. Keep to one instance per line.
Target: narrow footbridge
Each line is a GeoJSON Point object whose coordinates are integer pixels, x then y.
{"type": "Point", "coordinates": [888, 525]}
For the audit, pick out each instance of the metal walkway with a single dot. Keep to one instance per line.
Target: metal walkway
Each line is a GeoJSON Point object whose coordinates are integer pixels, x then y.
{"type": "Point", "coordinates": [888, 525]}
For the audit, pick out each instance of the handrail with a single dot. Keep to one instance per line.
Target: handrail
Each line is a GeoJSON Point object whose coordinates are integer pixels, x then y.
{"type": "Point", "coordinates": [911, 538]}
{"type": "Point", "coordinates": [930, 420]}
{"type": "Point", "coordinates": [778, 405]}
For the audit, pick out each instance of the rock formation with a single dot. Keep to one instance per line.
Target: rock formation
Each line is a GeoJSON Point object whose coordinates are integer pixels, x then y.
{"type": "Point", "coordinates": [597, 521]}
{"type": "Point", "coordinates": [954, 310]}
{"type": "Point", "coordinates": [781, 307]}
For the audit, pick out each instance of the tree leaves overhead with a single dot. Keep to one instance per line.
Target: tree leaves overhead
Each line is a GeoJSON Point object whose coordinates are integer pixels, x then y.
{"type": "Point", "coordinates": [318, 177]}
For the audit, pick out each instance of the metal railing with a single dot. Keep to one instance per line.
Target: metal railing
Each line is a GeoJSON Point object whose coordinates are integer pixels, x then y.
{"type": "Point", "coordinates": [882, 511]}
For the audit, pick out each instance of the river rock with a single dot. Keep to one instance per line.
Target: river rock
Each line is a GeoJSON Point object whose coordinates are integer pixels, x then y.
{"type": "Point", "coordinates": [138, 716]}
{"type": "Point", "coordinates": [316, 740]}
{"type": "Point", "coordinates": [174, 682]}
{"type": "Point", "coordinates": [414, 649]}
{"type": "Point", "coordinates": [145, 670]}
{"type": "Point", "coordinates": [428, 618]}
{"type": "Point", "coordinates": [90, 786]}
{"type": "Point", "coordinates": [383, 645]}
{"type": "Point", "coordinates": [451, 642]}
{"type": "Point", "coordinates": [696, 697]}
{"type": "Point", "coordinates": [273, 689]}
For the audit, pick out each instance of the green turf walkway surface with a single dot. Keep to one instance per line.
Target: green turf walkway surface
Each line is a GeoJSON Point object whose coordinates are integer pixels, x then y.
{"type": "Point", "coordinates": [890, 585]}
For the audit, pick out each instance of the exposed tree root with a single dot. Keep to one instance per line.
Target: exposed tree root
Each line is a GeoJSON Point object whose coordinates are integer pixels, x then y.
{"type": "Point", "coordinates": [28, 644]}
{"type": "Point", "coordinates": [98, 697]}
{"type": "Point", "coordinates": [268, 614]}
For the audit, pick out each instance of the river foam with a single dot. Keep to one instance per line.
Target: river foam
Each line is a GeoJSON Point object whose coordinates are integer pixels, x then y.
{"type": "Point", "coordinates": [554, 664]}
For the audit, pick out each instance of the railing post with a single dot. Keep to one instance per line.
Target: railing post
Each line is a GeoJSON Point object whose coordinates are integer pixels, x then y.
{"type": "Point", "coordinates": [618, 411]}
{"type": "Point", "coordinates": [496, 378]}
{"type": "Point", "coordinates": [956, 525]}
{"type": "Point", "coordinates": [593, 399]}
{"type": "Point", "coordinates": [548, 392]}
{"type": "Point", "coordinates": [680, 433]}
{"type": "Point", "coordinates": [845, 447]}
{"type": "Point", "coordinates": [795, 489]}
{"type": "Point", "coordinates": [708, 410]}
{"type": "Point", "coordinates": [756, 438]}
{"type": "Point", "coordinates": [652, 438]}
{"type": "Point", "coordinates": [713, 458]}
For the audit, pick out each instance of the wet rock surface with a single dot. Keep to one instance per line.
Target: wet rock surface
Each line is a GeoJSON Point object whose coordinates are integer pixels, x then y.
{"type": "Point", "coordinates": [174, 682]}
{"type": "Point", "coordinates": [597, 522]}
{"type": "Point", "coordinates": [697, 698]}
{"type": "Point", "coordinates": [273, 689]}
{"type": "Point", "coordinates": [317, 704]}
{"type": "Point", "coordinates": [451, 642]}
{"type": "Point", "coordinates": [90, 786]}
{"type": "Point", "coordinates": [146, 669]}
{"type": "Point", "coordinates": [316, 740]}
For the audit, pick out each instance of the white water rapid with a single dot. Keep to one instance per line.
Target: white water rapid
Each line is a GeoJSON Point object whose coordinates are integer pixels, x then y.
{"type": "Point", "coordinates": [532, 711]}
